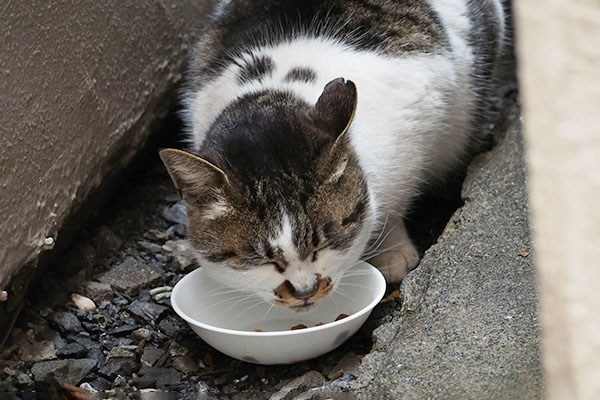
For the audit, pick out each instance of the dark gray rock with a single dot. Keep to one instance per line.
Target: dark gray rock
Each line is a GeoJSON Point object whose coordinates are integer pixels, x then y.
{"type": "Point", "coordinates": [141, 334]}
{"type": "Point", "coordinates": [130, 276]}
{"type": "Point", "coordinates": [156, 378]}
{"type": "Point", "coordinates": [100, 384]}
{"type": "Point", "coordinates": [151, 312]}
{"type": "Point", "coordinates": [72, 350]}
{"type": "Point", "coordinates": [65, 322]}
{"type": "Point", "coordinates": [155, 235]}
{"type": "Point", "coordinates": [23, 381]}
{"type": "Point", "coordinates": [63, 371]}
{"type": "Point", "coordinates": [186, 364]}
{"type": "Point", "coordinates": [170, 326]}
{"type": "Point", "coordinates": [176, 231]}
{"type": "Point", "coordinates": [150, 355]}
{"type": "Point", "coordinates": [123, 329]}
{"type": "Point", "coordinates": [97, 291]}
{"type": "Point", "coordinates": [150, 247]}
{"type": "Point", "coordinates": [468, 328]}
{"type": "Point", "coordinates": [177, 213]}
{"type": "Point", "coordinates": [118, 366]}
{"type": "Point", "coordinates": [309, 380]}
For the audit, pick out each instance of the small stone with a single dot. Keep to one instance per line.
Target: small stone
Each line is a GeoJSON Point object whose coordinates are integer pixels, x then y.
{"type": "Point", "coordinates": [176, 231]}
{"type": "Point", "coordinates": [98, 291]}
{"type": "Point", "coordinates": [156, 377]}
{"type": "Point", "coordinates": [149, 246]}
{"type": "Point", "coordinates": [177, 213]}
{"type": "Point", "coordinates": [123, 329]}
{"type": "Point", "coordinates": [65, 322]}
{"type": "Point", "coordinates": [141, 334]}
{"type": "Point", "coordinates": [186, 365]}
{"type": "Point", "coordinates": [23, 381]}
{"type": "Point", "coordinates": [156, 236]}
{"type": "Point", "coordinates": [64, 371]}
{"type": "Point", "coordinates": [83, 303]}
{"type": "Point", "coordinates": [97, 355]}
{"type": "Point", "coordinates": [88, 387]}
{"type": "Point", "coordinates": [106, 241]}
{"type": "Point", "coordinates": [151, 312]}
{"type": "Point", "coordinates": [100, 384]}
{"type": "Point", "coordinates": [150, 355]}
{"type": "Point", "coordinates": [72, 350]}
{"type": "Point", "coordinates": [119, 352]}
{"type": "Point", "coordinates": [169, 326]}
{"type": "Point", "coordinates": [299, 385]}
{"type": "Point", "coordinates": [42, 350]}
{"type": "Point", "coordinates": [347, 365]}
{"type": "Point", "coordinates": [118, 366]}
{"type": "Point", "coordinates": [130, 277]}
{"type": "Point", "coordinates": [182, 253]}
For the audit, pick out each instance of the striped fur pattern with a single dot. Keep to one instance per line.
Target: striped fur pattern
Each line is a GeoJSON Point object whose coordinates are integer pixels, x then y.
{"type": "Point", "coordinates": [313, 125]}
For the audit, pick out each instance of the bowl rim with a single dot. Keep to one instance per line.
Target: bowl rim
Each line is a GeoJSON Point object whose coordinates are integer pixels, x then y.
{"type": "Point", "coordinates": [368, 308]}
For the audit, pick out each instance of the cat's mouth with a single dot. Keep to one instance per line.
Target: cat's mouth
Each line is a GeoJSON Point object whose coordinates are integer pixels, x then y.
{"type": "Point", "coordinates": [286, 299]}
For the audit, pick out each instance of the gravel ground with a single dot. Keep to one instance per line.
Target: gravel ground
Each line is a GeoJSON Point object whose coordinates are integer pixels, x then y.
{"type": "Point", "coordinates": [93, 324]}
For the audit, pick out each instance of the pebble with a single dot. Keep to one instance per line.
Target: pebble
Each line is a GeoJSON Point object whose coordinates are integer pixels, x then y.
{"type": "Point", "coordinates": [72, 350]}
{"type": "Point", "coordinates": [42, 350]}
{"type": "Point", "coordinates": [309, 380]}
{"type": "Point", "coordinates": [123, 329]}
{"type": "Point", "coordinates": [23, 381]}
{"type": "Point", "coordinates": [141, 334]}
{"type": "Point", "coordinates": [83, 303]}
{"type": "Point", "coordinates": [65, 322]}
{"type": "Point", "coordinates": [176, 231]}
{"type": "Point", "coordinates": [156, 236]}
{"type": "Point", "coordinates": [150, 355]}
{"type": "Point", "coordinates": [131, 276]}
{"type": "Point", "coordinates": [156, 377]}
{"type": "Point", "coordinates": [64, 371]}
{"type": "Point", "coordinates": [186, 364]}
{"type": "Point", "coordinates": [98, 291]}
{"type": "Point", "coordinates": [119, 352]}
{"type": "Point", "coordinates": [100, 384]}
{"type": "Point", "coordinates": [151, 312]}
{"type": "Point", "coordinates": [118, 366]}
{"type": "Point", "coordinates": [177, 213]}
{"type": "Point", "coordinates": [149, 246]}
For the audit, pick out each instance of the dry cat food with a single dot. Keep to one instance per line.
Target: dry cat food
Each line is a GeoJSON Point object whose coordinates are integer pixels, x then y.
{"type": "Point", "coordinates": [341, 316]}
{"type": "Point", "coordinates": [299, 326]}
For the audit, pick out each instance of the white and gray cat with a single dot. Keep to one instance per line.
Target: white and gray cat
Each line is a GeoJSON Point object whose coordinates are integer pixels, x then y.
{"type": "Point", "coordinates": [314, 124]}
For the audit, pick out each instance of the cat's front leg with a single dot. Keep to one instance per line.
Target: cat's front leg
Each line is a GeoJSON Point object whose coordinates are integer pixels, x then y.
{"type": "Point", "coordinates": [396, 255]}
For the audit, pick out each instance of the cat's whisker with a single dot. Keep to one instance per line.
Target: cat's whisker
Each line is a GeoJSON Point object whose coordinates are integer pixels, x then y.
{"type": "Point", "coordinates": [269, 310]}
{"type": "Point", "coordinates": [234, 298]}
{"type": "Point", "coordinates": [258, 303]}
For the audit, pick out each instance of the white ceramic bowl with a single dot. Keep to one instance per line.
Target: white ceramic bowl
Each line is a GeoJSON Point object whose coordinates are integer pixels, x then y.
{"type": "Point", "coordinates": [227, 320]}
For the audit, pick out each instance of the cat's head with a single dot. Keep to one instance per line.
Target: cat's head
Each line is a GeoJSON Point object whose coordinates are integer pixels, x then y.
{"type": "Point", "coordinates": [278, 204]}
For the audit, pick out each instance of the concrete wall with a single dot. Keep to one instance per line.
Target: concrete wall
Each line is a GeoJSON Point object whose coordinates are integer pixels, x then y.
{"type": "Point", "coordinates": [81, 82]}
{"type": "Point", "coordinates": [559, 53]}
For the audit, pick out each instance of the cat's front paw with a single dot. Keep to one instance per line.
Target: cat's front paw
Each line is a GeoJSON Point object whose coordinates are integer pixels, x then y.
{"type": "Point", "coordinates": [395, 264]}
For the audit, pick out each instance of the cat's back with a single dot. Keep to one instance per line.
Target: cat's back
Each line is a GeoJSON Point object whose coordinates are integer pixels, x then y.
{"type": "Point", "coordinates": [388, 27]}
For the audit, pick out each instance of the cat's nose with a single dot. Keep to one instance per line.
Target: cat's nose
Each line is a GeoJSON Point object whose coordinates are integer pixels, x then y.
{"type": "Point", "coordinates": [305, 293]}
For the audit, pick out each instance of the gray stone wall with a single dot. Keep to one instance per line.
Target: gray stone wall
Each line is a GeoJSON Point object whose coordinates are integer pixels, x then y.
{"type": "Point", "coordinates": [81, 83]}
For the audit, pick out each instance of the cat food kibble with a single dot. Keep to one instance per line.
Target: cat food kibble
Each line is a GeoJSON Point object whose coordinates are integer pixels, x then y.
{"type": "Point", "coordinates": [258, 330]}
{"type": "Point", "coordinates": [320, 323]}
{"type": "Point", "coordinates": [341, 316]}
{"type": "Point", "coordinates": [299, 326]}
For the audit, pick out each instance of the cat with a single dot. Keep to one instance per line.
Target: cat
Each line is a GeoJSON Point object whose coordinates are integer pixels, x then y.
{"type": "Point", "coordinates": [314, 124]}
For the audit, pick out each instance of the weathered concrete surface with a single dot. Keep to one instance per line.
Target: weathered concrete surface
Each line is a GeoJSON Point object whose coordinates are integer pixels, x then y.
{"type": "Point", "coordinates": [559, 61]}
{"type": "Point", "coordinates": [468, 328]}
{"type": "Point", "coordinates": [80, 84]}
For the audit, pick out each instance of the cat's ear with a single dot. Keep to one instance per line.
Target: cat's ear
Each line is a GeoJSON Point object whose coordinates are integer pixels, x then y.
{"type": "Point", "coordinates": [335, 108]}
{"type": "Point", "coordinates": [192, 174]}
